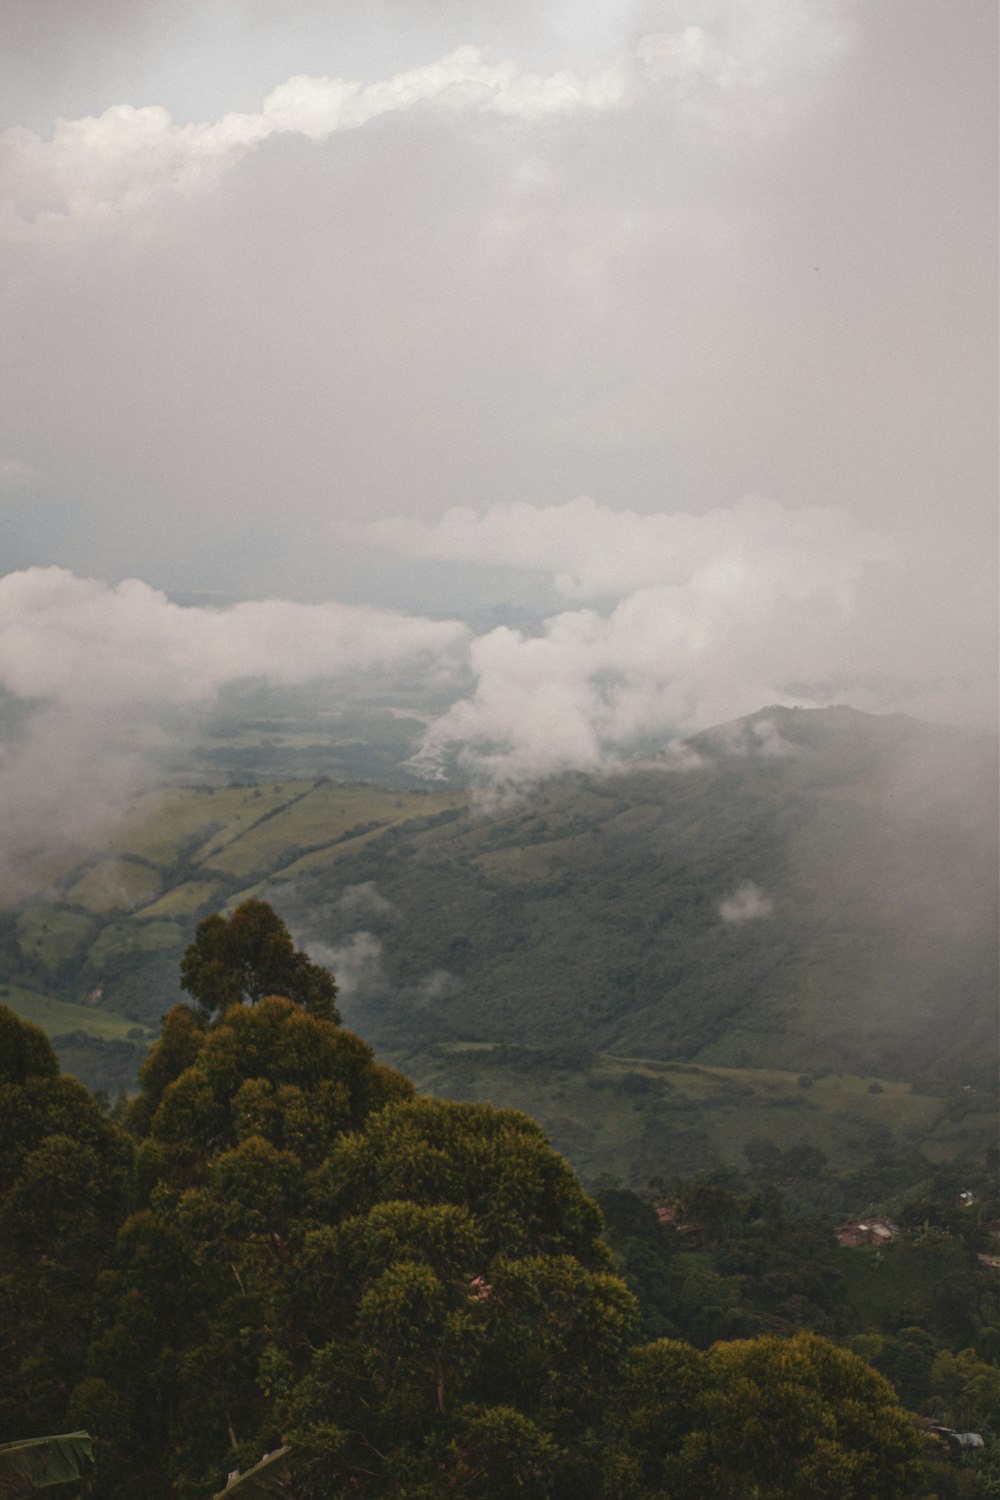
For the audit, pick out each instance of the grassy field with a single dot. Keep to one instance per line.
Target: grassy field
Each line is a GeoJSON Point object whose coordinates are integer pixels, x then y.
{"type": "Point", "coordinates": [184, 900]}
{"type": "Point", "coordinates": [51, 936]}
{"type": "Point", "coordinates": [637, 1118]}
{"type": "Point", "coordinates": [160, 825]}
{"type": "Point", "coordinates": [120, 918]}
{"type": "Point", "coordinates": [134, 937]}
{"type": "Point", "coordinates": [583, 924]}
{"type": "Point", "coordinates": [58, 1018]}
{"type": "Point", "coordinates": [322, 816]}
{"type": "Point", "coordinates": [115, 885]}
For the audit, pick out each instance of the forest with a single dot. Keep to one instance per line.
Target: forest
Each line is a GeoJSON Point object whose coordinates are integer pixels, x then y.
{"type": "Point", "coordinates": [277, 1243]}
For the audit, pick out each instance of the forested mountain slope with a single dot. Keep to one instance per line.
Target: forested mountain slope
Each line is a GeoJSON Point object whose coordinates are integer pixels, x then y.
{"type": "Point", "coordinates": [819, 889]}
{"type": "Point", "coordinates": [812, 892]}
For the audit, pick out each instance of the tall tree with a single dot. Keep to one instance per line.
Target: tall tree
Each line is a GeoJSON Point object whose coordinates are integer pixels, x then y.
{"type": "Point", "coordinates": [789, 1419]}
{"type": "Point", "coordinates": [63, 1179]}
{"type": "Point", "coordinates": [239, 960]}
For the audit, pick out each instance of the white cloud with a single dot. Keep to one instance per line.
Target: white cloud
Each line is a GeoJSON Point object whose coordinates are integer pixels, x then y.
{"type": "Point", "coordinates": [364, 901]}
{"type": "Point", "coordinates": [689, 621]}
{"type": "Point", "coordinates": [356, 963]}
{"type": "Point", "coordinates": [695, 619]}
{"type": "Point", "coordinates": [111, 672]}
{"type": "Point", "coordinates": [124, 160]}
{"type": "Point", "coordinates": [592, 550]}
{"type": "Point", "coordinates": [748, 903]}
{"type": "Point", "coordinates": [79, 641]}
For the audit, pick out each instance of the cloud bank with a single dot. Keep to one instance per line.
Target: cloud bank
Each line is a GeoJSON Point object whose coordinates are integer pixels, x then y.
{"type": "Point", "coordinates": [122, 161]}
{"type": "Point", "coordinates": [302, 307]}
{"type": "Point", "coordinates": [99, 680]}
{"type": "Point", "coordinates": [689, 620]}
{"type": "Point", "coordinates": [674, 622]}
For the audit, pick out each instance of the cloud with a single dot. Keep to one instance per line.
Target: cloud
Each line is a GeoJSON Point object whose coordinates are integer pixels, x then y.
{"type": "Point", "coordinates": [593, 550]}
{"type": "Point", "coordinates": [759, 738]}
{"type": "Point", "coordinates": [81, 641]}
{"type": "Point", "coordinates": [438, 985]}
{"type": "Point", "coordinates": [125, 159]}
{"type": "Point", "coordinates": [691, 620]}
{"type": "Point", "coordinates": [748, 903]}
{"type": "Point", "coordinates": [364, 901]}
{"type": "Point", "coordinates": [356, 963]}
{"type": "Point", "coordinates": [620, 256]}
{"type": "Point", "coordinates": [100, 681]}
{"type": "Point", "coordinates": [358, 966]}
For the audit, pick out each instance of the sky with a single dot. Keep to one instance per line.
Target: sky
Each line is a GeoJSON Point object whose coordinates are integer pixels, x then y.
{"type": "Point", "coordinates": [325, 330]}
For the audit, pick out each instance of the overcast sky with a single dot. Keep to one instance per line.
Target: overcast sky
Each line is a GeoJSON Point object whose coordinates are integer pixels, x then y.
{"type": "Point", "coordinates": [675, 320]}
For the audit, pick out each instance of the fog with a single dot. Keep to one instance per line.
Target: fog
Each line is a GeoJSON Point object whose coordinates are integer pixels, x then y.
{"type": "Point", "coordinates": [676, 326]}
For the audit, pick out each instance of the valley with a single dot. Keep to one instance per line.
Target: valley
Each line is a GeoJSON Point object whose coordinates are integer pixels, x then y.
{"type": "Point", "coordinates": [785, 933]}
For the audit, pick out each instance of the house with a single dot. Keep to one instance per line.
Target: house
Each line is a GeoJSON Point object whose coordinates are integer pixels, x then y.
{"type": "Point", "coordinates": [693, 1236]}
{"type": "Point", "coordinates": [876, 1231]}
{"type": "Point", "coordinates": [954, 1440]}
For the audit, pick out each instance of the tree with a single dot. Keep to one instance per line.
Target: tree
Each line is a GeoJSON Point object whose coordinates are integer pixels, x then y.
{"type": "Point", "coordinates": [240, 960]}
{"type": "Point", "coordinates": [412, 1293]}
{"type": "Point", "coordinates": [785, 1419]}
{"type": "Point", "coordinates": [63, 1178]}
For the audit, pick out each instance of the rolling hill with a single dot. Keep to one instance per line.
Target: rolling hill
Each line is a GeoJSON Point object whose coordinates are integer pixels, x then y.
{"type": "Point", "coordinates": [803, 894]}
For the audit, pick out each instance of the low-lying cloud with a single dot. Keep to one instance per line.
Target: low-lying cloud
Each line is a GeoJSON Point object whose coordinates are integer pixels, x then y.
{"type": "Point", "coordinates": [674, 622]}
{"type": "Point", "coordinates": [364, 900]}
{"type": "Point", "coordinates": [101, 680]}
{"type": "Point", "coordinates": [356, 962]}
{"type": "Point", "coordinates": [684, 621]}
{"type": "Point", "coordinates": [748, 903]}
{"type": "Point", "coordinates": [359, 965]}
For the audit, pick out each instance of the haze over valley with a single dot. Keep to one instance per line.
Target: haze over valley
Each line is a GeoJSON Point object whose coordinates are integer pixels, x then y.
{"type": "Point", "coordinates": [499, 508]}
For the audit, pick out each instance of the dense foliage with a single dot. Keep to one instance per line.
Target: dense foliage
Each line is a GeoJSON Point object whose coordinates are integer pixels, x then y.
{"type": "Point", "coordinates": [281, 1242]}
{"type": "Point", "coordinates": [249, 955]}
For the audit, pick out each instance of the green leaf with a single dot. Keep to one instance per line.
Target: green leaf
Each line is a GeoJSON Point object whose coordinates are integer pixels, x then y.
{"type": "Point", "coordinates": [32, 1465]}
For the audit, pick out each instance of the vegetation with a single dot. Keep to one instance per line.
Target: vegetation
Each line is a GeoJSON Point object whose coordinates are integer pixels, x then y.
{"type": "Point", "coordinates": [589, 913]}
{"type": "Point", "coordinates": [28, 1467]}
{"type": "Point", "coordinates": [241, 960]}
{"type": "Point", "coordinates": [280, 1244]}
{"type": "Point", "coordinates": [639, 1118]}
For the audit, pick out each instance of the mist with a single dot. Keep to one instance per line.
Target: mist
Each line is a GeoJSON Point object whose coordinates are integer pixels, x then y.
{"type": "Point", "coordinates": [672, 330]}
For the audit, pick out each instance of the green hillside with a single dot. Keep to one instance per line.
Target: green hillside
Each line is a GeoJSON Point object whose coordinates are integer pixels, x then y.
{"type": "Point", "coordinates": [91, 936]}
{"type": "Point", "coordinates": [594, 911]}
{"type": "Point", "coordinates": [639, 1119]}
{"type": "Point", "coordinates": [813, 897]}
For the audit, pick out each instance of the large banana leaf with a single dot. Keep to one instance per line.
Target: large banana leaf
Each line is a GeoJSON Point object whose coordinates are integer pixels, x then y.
{"type": "Point", "coordinates": [29, 1466]}
{"type": "Point", "coordinates": [267, 1479]}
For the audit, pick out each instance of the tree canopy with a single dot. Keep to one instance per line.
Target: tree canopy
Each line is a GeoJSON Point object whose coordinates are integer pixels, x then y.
{"type": "Point", "coordinates": [284, 1245]}
{"type": "Point", "coordinates": [240, 959]}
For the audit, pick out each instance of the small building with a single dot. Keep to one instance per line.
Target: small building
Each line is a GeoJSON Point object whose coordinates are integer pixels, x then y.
{"type": "Point", "coordinates": [692, 1235]}
{"type": "Point", "coordinates": [875, 1231]}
